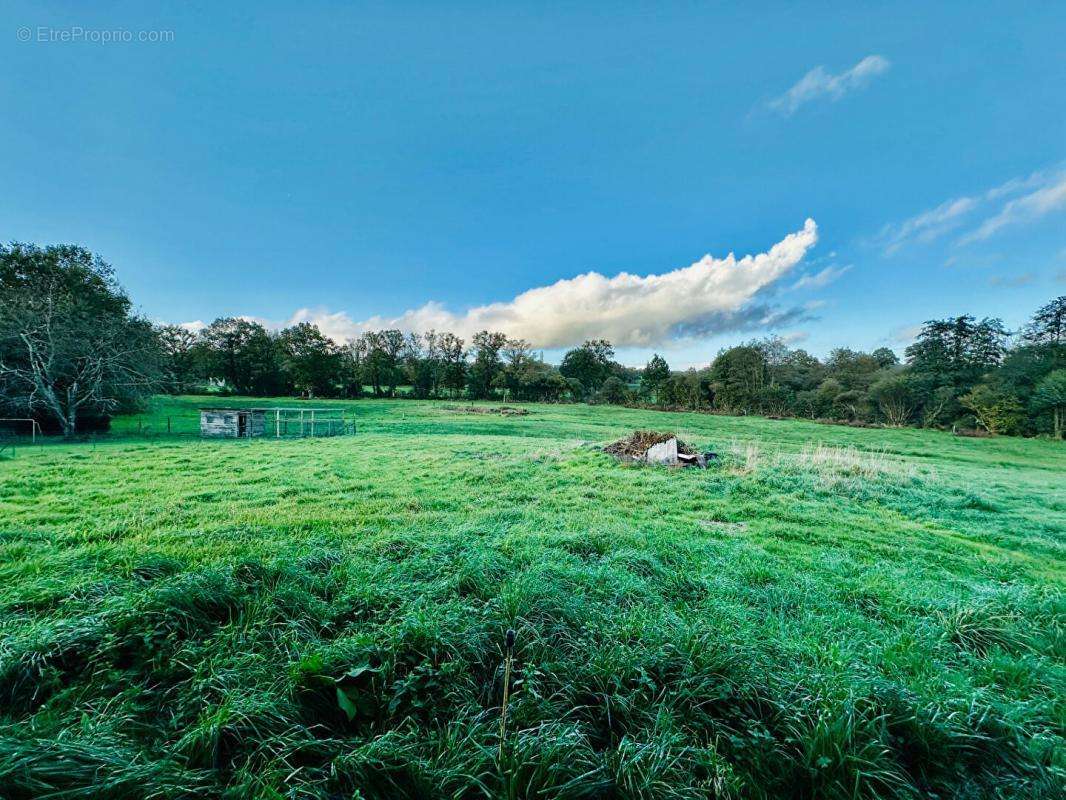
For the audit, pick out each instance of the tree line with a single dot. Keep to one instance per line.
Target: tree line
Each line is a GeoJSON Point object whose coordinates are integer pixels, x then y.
{"type": "Point", "coordinates": [73, 352]}
{"type": "Point", "coordinates": [959, 373]}
{"type": "Point", "coordinates": [244, 357]}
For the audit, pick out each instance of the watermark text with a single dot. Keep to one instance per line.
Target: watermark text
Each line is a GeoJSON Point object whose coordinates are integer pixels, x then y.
{"type": "Point", "coordinates": [76, 33]}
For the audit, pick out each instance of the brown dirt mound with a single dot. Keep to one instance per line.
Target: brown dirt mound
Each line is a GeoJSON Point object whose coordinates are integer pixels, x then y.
{"type": "Point", "coordinates": [507, 411]}
{"type": "Point", "coordinates": [637, 444]}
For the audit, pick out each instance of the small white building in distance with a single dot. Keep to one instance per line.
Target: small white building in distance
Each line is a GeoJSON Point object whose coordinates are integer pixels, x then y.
{"type": "Point", "coordinates": [232, 423]}
{"type": "Point", "coordinates": [246, 423]}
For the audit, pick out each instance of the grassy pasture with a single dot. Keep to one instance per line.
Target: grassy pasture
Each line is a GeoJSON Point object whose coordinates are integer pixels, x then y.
{"type": "Point", "coordinates": [826, 612]}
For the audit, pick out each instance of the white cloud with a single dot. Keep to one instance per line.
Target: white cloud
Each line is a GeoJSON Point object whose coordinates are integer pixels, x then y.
{"type": "Point", "coordinates": [819, 83]}
{"type": "Point", "coordinates": [1012, 281]}
{"type": "Point", "coordinates": [712, 295]}
{"type": "Point", "coordinates": [1046, 192]}
{"type": "Point", "coordinates": [929, 225]}
{"type": "Point", "coordinates": [1020, 210]}
{"type": "Point", "coordinates": [337, 325]}
{"type": "Point", "coordinates": [795, 337]}
{"type": "Point", "coordinates": [821, 279]}
{"type": "Point", "coordinates": [195, 325]}
{"type": "Point", "coordinates": [905, 334]}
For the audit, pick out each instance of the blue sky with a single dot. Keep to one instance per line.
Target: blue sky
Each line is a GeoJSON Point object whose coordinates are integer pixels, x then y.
{"type": "Point", "coordinates": [354, 162]}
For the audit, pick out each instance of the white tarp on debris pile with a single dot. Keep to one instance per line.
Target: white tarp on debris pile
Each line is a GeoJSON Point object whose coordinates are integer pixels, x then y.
{"type": "Point", "coordinates": [658, 448]}
{"type": "Point", "coordinates": [666, 454]}
{"type": "Point", "coordinates": [663, 453]}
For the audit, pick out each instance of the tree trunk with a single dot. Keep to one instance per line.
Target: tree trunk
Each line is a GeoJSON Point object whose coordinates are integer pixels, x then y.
{"type": "Point", "coordinates": [67, 420]}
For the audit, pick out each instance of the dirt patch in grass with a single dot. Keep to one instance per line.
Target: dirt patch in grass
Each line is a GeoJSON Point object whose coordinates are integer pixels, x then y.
{"type": "Point", "coordinates": [504, 411]}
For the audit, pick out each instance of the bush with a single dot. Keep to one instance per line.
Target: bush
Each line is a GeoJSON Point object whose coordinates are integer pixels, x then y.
{"type": "Point", "coordinates": [997, 410]}
{"type": "Point", "coordinates": [613, 392]}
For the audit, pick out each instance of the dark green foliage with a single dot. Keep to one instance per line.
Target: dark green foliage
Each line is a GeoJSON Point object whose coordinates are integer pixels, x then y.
{"type": "Point", "coordinates": [739, 375]}
{"type": "Point", "coordinates": [612, 392]}
{"type": "Point", "coordinates": [71, 350]}
{"type": "Point", "coordinates": [1048, 325]}
{"type": "Point", "coordinates": [958, 351]}
{"type": "Point", "coordinates": [184, 359]}
{"type": "Point", "coordinates": [1050, 397]}
{"type": "Point", "coordinates": [525, 377]}
{"type": "Point", "coordinates": [897, 397]}
{"type": "Point", "coordinates": [482, 374]}
{"type": "Point", "coordinates": [953, 364]}
{"type": "Point", "coordinates": [656, 373]}
{"type": "Point", "coordinates": [885, 357]}
{"type": "Point", "coordinates": [380, 356]}
{"type": "Point", "coordinates": [309, 362]}
{"type": "Point", "coordinates": [590, 365]}
{"type": "Point", "coordinates": [243, 355]}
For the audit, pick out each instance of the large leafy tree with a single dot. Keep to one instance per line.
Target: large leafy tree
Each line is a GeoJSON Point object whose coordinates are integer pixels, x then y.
{"type": "Point", "coordinates": [487, 363]}
{"type": "Point", "coordinates": [349, 370]}
{"type": "Point", "coordinates": [895, 396]}
{"type": "Point", "coordinates": [949, 358]}
{"type": "Point", "coordinates": [526, 377]}
{"type": "Point", "coordinates": [590, 365]}
{"type": "Point", "coordinates": [70, 346]}
{"type": "Point", "coordinates": [453, 360]}
{"type": "Point", "coordinates": [243, 355]}
{"type": "Point", "coordinates": [656, 373]}
{"type": "Point", "coordinates": [739, 375]}
{"type": "Point", "coordinates": [613, 392]}
{"type": "Point", "coordinates": [1048, 325]}
{"type": "Point", "coordinates": [854, 369]}
{"type": "Point", "coordinates": [1050, 397]}
{"type": "Point", "coordinates": [799, 371]}
{"type": "Point", "coordinates": [310, 361]}
{"type": "Point", "coordinates": [517, 358]}
{"type": "Point", "coordinates": [958, 350]}
{"type": "Point", "coordinates": [381, 355]}
{"type": "Point", "coordinates": [183, 358]}
{"type": "Point", "coordinates": [423, 364]}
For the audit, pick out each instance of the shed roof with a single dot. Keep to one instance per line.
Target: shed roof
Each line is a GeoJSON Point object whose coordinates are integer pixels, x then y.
{"type": "Point", "coordinates": [221, 409]}
{"type": "Point", "coordinates": [274, 408]}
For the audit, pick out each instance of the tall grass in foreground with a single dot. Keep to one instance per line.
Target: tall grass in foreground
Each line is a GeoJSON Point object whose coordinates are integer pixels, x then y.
{"type": "Point", "coordinates": [324, 620]}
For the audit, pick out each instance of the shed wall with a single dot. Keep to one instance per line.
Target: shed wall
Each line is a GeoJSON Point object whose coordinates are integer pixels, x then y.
{"type": "Point", "coordinates": [256, 423]}
{"type": "Point", "coordinates": [218, 424]}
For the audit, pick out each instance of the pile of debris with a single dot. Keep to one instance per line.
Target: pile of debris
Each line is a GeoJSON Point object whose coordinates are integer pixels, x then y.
{"type": "Point", "coordinates": [652, 447]}
{"type": "Point", "coordinates": [506, 411]}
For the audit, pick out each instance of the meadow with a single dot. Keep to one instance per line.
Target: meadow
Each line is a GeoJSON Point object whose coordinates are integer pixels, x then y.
{"type": "Point", "coordinates": [826, 612]}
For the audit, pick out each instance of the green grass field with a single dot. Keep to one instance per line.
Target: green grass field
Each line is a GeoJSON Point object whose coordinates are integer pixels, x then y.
{"type": "Point", "coordinates": [827, 612]}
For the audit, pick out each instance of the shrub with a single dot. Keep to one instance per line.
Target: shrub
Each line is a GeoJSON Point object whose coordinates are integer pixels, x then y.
{"type": "Point", "coordinates": [613, 392]}
{"type": "Point", "coordinates": [997, 410]}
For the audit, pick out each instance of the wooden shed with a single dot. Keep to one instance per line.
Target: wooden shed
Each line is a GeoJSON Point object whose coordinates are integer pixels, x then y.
{"type": "Point", "coordinates": [281, 423]}
{"type": "Point", "coordinates": [232, 423]}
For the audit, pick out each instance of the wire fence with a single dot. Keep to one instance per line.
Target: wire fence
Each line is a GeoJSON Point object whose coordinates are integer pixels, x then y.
{"type": "Point", "coordinates": [174, 428]}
